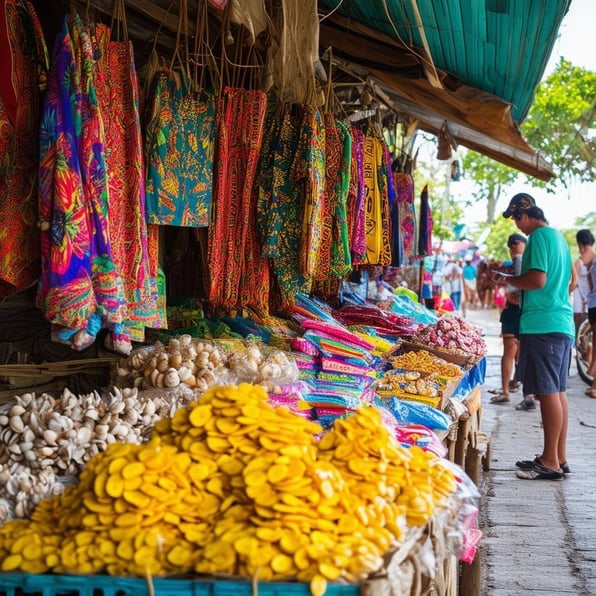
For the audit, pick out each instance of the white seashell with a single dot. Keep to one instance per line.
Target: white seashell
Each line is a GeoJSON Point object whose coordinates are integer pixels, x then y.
{"type": "Point", "coordinates": [15, 448]}
{"type": "Point", "coordinates": [149, 408]}
{"type": "Point", "coordinates": [47, 463]}
{"type": "Point", "coordinates": [28, 435]}
{"type": "Point", "coordinates": [184, 373]}
{"type": "Point", "coordinates": [47, 451]}
{"type": "Point", "coordinates": [71, 433]}
{"type": "Point", "coordinates": [159, 381]}
{"type": "Point", "coordinates": [83, 435]}
{"type": "Point", "coordinates": [16, 423]}
{"type": "Point", "coordinates": [20, 510]}
{"type": "Point", "coordinates": [50, 436]}
{"type": "Point", "coordinates": [26, 446]}
{"type": "Point", "coordinates": [122, 372]}
{"type": "Point", "coordinates": [101, 432]}
{"type": "Point", "coordinates": [175, 359]}
{"type": "Point", "coordinates": [91, 414]}
{"type": "Point", "coordinates": [118, 407]}
{"type": "Point", "coordinates": [4, 420]}
{"type": "Point", "coordinates": [16, 410]}
{"type": "Point", "coordinates": [26, 399]}
{"type": "Point", "coordinates": [191, 381]}
{"type": "Point", "coordinates": [30, 456]}
{"type": "Point", "coordinates": [162, 363]}
{"type": "Point", "coordinates": [154, 374]}
{"type": "Point", "coordinates": [186, 340]}
{"type": "Point", "coordinates": [172, 379]}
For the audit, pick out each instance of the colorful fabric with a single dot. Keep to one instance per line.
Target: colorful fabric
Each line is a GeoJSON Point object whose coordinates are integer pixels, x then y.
{"type": "Point", "coordinates": [328, 199]}
{"type": "Point", "coordinates": [22, 81]}
{"type": "Point", "coordinates": [79, 281]}
{"type": "Point", "coordinates": [341, 260]}
{"type": "Point", "coordinates": [312, 171]}
{"type": "Point", "coordinates": [179, 145]}
{"type": "Point", "coordinates": [426, 225]}
{"type": "Point", "coordinates": [117, 94]}
{"type": "Point", "coordinates": [404, 189]}
{"type": "Point", "coordinates": [356, 203]}
{"type": "Point", "coordinates": [280, 210]}
{"type": "Point", "coordinates": [378, 251]}
{"type": "Point", "coordinates": [241, 118]}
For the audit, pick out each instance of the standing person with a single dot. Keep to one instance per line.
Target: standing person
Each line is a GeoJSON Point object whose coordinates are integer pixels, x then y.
{"type": "Point", "coordinates": [510, 319]}
{"type": "Point", "coordinates": [453, 282]}
{"type": "Point", "coordinates": [585, 244]}
{"type": "Point", "coordinates": [438, 266]}
{"type": "Point", "coordinates": [591, 392]}
{"type": "Point", "coordinates": [546, 332]}
{"type": "Point", "coordinates": [469, 273]}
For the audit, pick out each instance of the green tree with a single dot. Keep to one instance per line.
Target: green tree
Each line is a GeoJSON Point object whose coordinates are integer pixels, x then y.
{"type": "Point", "coordinates": [561, 124]}
{"type": "Point", "coordinates": [490, 178]}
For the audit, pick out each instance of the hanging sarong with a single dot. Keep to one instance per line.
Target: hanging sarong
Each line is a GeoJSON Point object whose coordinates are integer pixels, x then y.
{"type": "Point", "coordinates": [312, 171]}
{"type": "Point", "coordinates": [328, 200]}
{"type": "Point", "coordinates": [117, 93]}
{"type": "Point", "coordinates": [22, 82]}
{"type": "Point", "coordinates": [378, 251]}
{"type": "Point", "coordinates": [283, 212]}
{"type": "Point", "coordinates": [241, 119]}
{"type": "Point", "coordinates": [404, 186]}
{"type": "Point", "coordinates": [79, 283]}
{"type": "Point", "coordinates": [179, 145]}
{"type": "Point", "coordinates": [426, 225]}
{"type": "Point", "coordinates": [357, 199]}
{"type": "Point", "coordinates": [341, 260]}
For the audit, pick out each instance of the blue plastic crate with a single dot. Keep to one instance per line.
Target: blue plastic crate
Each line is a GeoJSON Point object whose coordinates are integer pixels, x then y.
{"type": "Point", "coordinates": [16, 584]}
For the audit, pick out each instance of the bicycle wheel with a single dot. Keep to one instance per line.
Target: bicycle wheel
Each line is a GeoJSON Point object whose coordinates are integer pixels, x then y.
{"type": "Point", "coordinates": [583, 348]}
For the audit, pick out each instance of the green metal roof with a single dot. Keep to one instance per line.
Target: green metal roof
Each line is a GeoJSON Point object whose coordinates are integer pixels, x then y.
{"type": "Point", "coordinates": [498, 46]}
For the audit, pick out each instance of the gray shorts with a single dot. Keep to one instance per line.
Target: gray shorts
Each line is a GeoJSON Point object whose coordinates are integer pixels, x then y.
{"type": "Point", "coordinates": [544, 362]}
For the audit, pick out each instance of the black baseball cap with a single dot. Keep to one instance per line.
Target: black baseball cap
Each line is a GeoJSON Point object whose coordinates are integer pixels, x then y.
{"type": "Point", "coordinates": [519, 203]}
{"type": "Point", "coordinates": [515, 238]}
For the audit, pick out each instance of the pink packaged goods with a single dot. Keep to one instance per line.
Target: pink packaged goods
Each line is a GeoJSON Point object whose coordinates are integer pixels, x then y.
{"type": "Point", "coordinates": [337, 331]}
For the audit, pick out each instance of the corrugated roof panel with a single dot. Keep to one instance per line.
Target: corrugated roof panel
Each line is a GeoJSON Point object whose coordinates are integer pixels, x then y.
{"type": "Point", "coordinates": [498, 46]}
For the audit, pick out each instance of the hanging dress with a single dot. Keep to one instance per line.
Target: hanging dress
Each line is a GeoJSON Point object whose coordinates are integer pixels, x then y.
{"type": "Point", "coordinates": [356, 202]}
{"type": "Point", "coordinates": [117, 94]}
{"type": "Point", "coordinates": [311, 169]}
{"type": "Point", "coordinates": [404, 188]}
{"type": "Point", "coordinates": [22, 82]}
{"type": "Point", "coordinates": [241, 119]}
{"type": "Point", "coordinates": [80, 289]}
{"type": "Point", "coordinates": [378, 251]}
{"type": "Point", "coordinates": [341, 260]}
{"type": "Point", "coordinates": [426, 224]}
{"type": "Point", "coordinates": [280, 210]}
{"type": "Point", "coordinates": [179, 145]}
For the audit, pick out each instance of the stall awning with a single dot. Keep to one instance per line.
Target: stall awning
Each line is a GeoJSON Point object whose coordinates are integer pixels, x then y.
{"type": "Point", "coordinates": [473, 64]}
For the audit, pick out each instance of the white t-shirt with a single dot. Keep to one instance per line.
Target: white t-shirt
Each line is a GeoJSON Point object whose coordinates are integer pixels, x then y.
{"type": "Point", "coordinates": [580, 294]}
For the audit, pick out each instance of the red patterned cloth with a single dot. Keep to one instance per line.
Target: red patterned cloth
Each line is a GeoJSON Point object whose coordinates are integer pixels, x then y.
{"type": "Point", "coordinates": [22, 80]}
{"type": "Point", "coordinates": [241, 119]}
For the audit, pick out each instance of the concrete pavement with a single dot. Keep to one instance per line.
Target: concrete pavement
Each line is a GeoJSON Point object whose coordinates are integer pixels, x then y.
{"type": "Point", "coordinates": [539, 536]}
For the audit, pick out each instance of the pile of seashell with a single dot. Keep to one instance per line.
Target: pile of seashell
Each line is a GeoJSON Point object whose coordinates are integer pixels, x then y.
{"type": "Point", "coordinates": [195, 363]}
{"type": "Point", "coordinates": [200, 364]}
{"type": "Point", "coordinates": [42, 437]}
{"type": "Point", "coordinates": [24, 489]}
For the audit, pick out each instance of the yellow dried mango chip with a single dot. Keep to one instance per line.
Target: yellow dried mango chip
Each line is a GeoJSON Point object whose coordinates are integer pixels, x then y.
{"type": "Point", "coordinates": [132, 470]}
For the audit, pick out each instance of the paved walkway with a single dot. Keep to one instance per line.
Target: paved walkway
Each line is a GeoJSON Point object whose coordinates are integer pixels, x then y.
{"type": "Point", "coordinates": [539, 536]}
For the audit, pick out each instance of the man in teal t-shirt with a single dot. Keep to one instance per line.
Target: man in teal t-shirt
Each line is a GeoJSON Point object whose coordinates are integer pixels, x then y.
{"type": "Point", "coordinates": [546, 332]}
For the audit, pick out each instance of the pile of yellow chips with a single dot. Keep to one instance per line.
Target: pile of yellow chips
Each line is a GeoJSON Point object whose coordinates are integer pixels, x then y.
{"type": "Point", "coordinates": [232, 485]}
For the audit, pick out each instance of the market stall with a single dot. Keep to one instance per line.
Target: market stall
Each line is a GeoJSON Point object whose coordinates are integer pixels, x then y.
{"type": "Point", "coordinates": [250, 426]}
